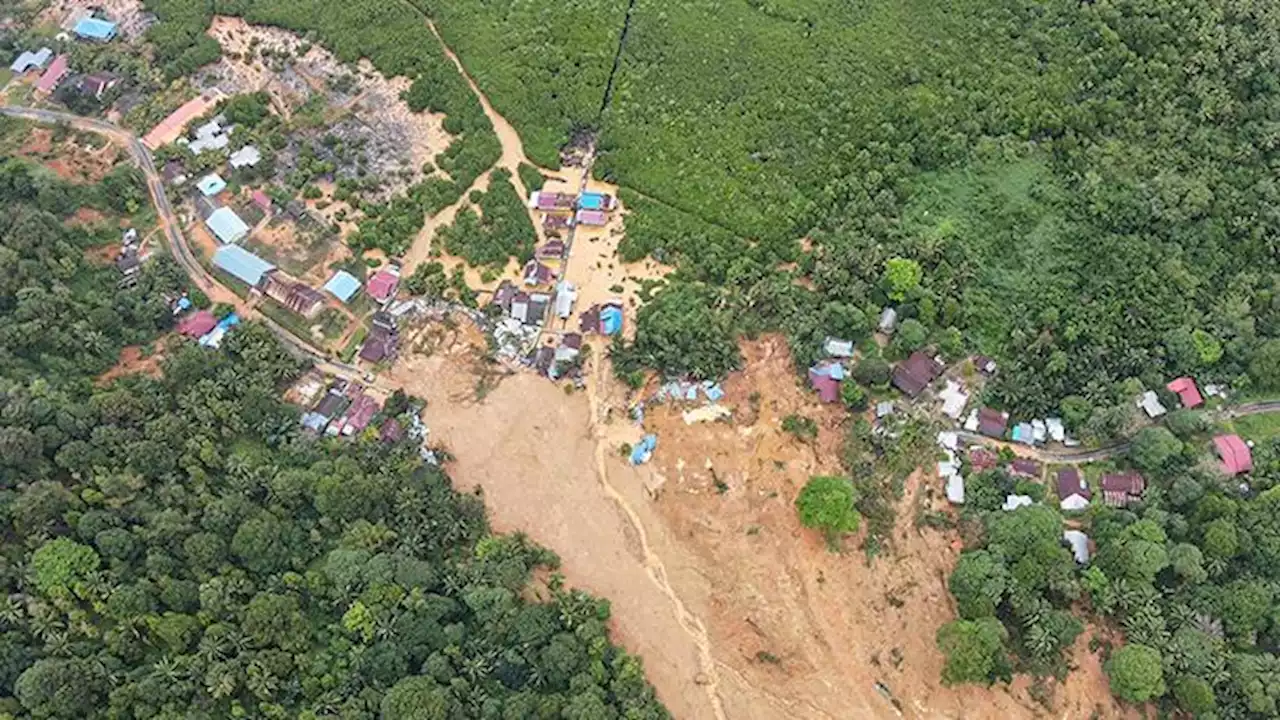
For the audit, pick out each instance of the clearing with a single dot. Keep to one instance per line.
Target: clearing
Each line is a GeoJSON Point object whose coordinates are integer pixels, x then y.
{"type": "Point", "coordinates": [69, 154]}
{"type": "Point", "coordinates": [134, 359]}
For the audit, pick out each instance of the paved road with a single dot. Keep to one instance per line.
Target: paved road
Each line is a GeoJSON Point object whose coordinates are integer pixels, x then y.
{"type": "Point", "coordinates": [178, 246]}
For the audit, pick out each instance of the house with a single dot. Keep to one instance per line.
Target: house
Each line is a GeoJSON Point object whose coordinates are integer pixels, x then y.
{"type": "Point", "coordinates": [28, 60]}
{"type": "Point", "coordinates": [543, 200]}
{"type": "Point", "coordinates": [1073, 492]}
{"type": "Point", "coordinates": [566, 294]}
{"type": "Point", "coordinates": [589, 320]}
{"type": "Point", "coordinates": [1079, 544]}
{"type": "Point", "coordinates": [170, 129]}
{"type": "Point", "coordinates": [591, 218]}
{"type": "Point", "coordinates": [97, 84]}
{"type": "Point", "coordinates": [359, 415]}
{"type": "Point", "coordinates": [247, 156]}
{"type": "Point", "coordinates": [828, 387]}
{"type": "Point", "coordinates": [174, 173]}
{"type": "Point", "coordinates": [915, 373]}
{"type": "Point", "coordinates": [384, 320]}
{"type": "Point", "coordinates": [888, 321]}
{"type": "Point", "coordinates": [837, 348]}
{"type": "Point", "coordinates": [379, 345]}
{"type": "Point", "coordinates": [211, 136]}
{"type": "Point", "coordinates": [391, 431]}
{"type": "Point", "coordinates": [954, 399]}
{"type": "Point", "coordinates": [262, 200]}
{"type": "Point", "coordinates": [982, 459]}
{"type": "Point", "coordinates": [227, 225]}
{"type": "Point", "coordinates": [92, 28]}
{"type": "Point", "coordinates": [503, 296]}
{"type": "Point", "coordinates": [211, 184]}
{"type": "Point", "coordinates": [1151, 405]}
{"type": "Point", "coordinates": [955, 489]}
{"type": "Point", "coordinates": [1039, 431]}
{"type": "Point", "coordinates": [538, 304]}
{"type": "Point", "coordinates": [1013, 502]}
{"type": "Point", "coordinates": [571, 340]}
{"type": "Point", "coordinates": [1187, 392]}
{"type": "Point", "coordinates": [297, 296]}
{"type": "Point", "coordinates": [552, 222]}
{"type": "Point", "coordinates": [1120, 489]}
{"type": "Point", "coordinates": [214, 337]}
{"type": "Point", "coordinates": [241, 264]}
{"type": "Point", "coordinates": [551, 250]}
{"type": "Point", "coordinates": [610, 319]}
{"type": "Point", "coordinates": [53, 74]}
{"type": "Point", "coordinates": [520, 307]}
{"type": "Point", "coordinates": [1234, 453]}
{"type": "Point", "coordinates": [129, 265]}
{"type": "Point", "coordinates": [543, 359]}
{"type": "Point", "coordinates": [384, 283]}
{"type": "Point", "coordinates": [1023, 433]}
{"type": "Point", "coordinates": [984, 365]}
{"type": "Point", "coordinates": [1057, 431]}
{"type": "Point", "coordinates": [595, 201]}
{"type": "Point", "coordinates": [884, 409]}
{"type": "Point", "coordinates": [197, 324]}
{"type": "Point", "coordinates": [992, 423]}
{"type": "Point", "coordinates": [535, 273]}
{"type": "Point", "coordinates": [343, 285]}
{"type": "Point", "coordinates": [1025, 467]}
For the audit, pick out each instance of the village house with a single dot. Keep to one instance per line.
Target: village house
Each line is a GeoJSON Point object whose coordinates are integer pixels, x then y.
{"type": "Point", "coordinates": [297, 296]}
{"type": "Point", "coordinates": [591, 218]}
{"type": "Point", "coordinates": [914, 374]}
{"type": "Point", "coordinates": [93, 28]}
{"type": "Point", "coordinates": [1079, 544]}
{"type": "Point", "coordinates": [981, 459]}
{"type": "Point", "coordinates": [1013, 502]}
{"type": "Point", "coordinates": [384, 283]}
{"type": "Point", "coordinates": [1151, 405]}
{"type": "Point", "coordinates": [129, 265]}
{"type": "Point", "coordinates": [53, 75]}
{"type": "Point", "coordinates": [992, 423]}
{"type": "Point", "coordinates": [1073, 491]}
{"type": "Point", "coordinates": [1235, 455]}
{"type": "Point", "coordinates": [837, 348]}
{"type": "Point", "coordinates": [1121, 489]}
{"type": "Point", "coordinates": [97, 84]}
{"type": "Point", "coordinates": [596, 201]}
{"type": "Point", "coordinates": [984, 365]}
{"type": "Point", "coordinates": [241, 264]}
{"type": "Point", "coordinates": [566, 295]}
{"type": "Point", "coordinates": [1187, 392]}
{"type": "Point", "coordinates": [28, 61]}
{"type": "Point", "coordinates": [343, 285]}
{"type": "Point", "coordinates": [1024, 467]}
{"type": "Point", "coordinates": [535, 273]}
{"type": "Point", "coordinates": [247, 156]}
{"type": "Point", "coordinates": [888, 321]}
{"type": "Point", "coordinates": [954, 398]}
{"type": "Point", "coordinates": [553, 222]}
{"type": "Point", "coordinates": [197, 324]}
{"type": "Point", "coordinates": [227, 225]}
{"type": "Point", "coordinates": [380, 345]}
{"type": "Point", "coordinates": [825, 378]}
{"type": "Point", "coordinates": [504, 294]}
{"type": "Point", "coordinates": [550, 250]}
{"type": "Point", "coordinates": [546, 201]}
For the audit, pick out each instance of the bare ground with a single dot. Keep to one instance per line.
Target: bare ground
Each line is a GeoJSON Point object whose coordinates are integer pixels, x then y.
{"type": "Point", "coordinates": [737, 611]}
{"type": "Point", "coordinates": [132, 362]}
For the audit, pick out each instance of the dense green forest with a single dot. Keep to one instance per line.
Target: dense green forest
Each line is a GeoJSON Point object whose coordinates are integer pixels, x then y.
{"type": "Point", "coordinates": [176, 547]}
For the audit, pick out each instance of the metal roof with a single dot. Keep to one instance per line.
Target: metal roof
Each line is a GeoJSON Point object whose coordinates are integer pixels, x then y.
{"type": "Point", "coordinates": [95, 28]}
{"type": "Point", "coordinates": [212, 184]}
{"type": "Point", "coordinates": [242, 264]}
{"type": "Point", "coordinates": [227, 225]}
{"type": "Point", "coordinates": [343, 285]}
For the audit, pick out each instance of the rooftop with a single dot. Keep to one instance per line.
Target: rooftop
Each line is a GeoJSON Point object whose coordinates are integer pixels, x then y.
{"type": "Point", "coordinates": [211, 184]}
{"type": "Point", "coordinates": [247, 156]}
{"type": "Point", "coordinates": [241, 264]}
{"type": "Point", "coordinates": [28, 60]}
{"type": "Point", "coordinates": [1188, 393]}
{"type": "Point", "coordinates": [57, 69]}
{"type": "Point", "coordinates": [383, 284]}
{"type": "Point", "coordinates": [197, 324]}
{"type": "Point", "coordinates": [95, 28]}
{"type": "Point", "coordinates": [1235, 454]}
{"type": "Point", "coordinates": [914, 374]}
{"type": "Point", "coordinates": [227, 225]}
{"type": "Point", "coordinates": [343, 285]}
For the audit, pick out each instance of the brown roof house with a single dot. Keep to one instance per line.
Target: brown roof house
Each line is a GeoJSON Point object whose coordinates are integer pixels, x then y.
{"type": "Point", "coordinates": [1073, 491]}
{"type": "Point", "coordinates": [297, 296]}
{"type": "Point", "coordinates": [1120, 489]}
{"type": "Point", "coordinates": [914, 374]}
{"type": "Point", "coordinates": [1025, 467]}
{"type": "Point", "coordinates": [379, 345]}
{"type": "Point", "coordinates": [992, 423]}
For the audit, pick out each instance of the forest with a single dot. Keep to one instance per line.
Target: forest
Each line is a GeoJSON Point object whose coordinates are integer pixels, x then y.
{"type": "Point", "coordinates": [174, 546]}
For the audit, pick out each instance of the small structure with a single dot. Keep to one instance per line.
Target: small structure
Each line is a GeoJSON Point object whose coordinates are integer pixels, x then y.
{"type": "Point", "coordinates": [53, 75]}
{"type": "Point", "coordinates": [28, 60]}
{"type": "Point", "coordinates": [1079, 544]}
{"type": "Point", "coordinates": [888, 321]}
{"type": "Point", "coordinates": [1013, 502]}
{"type": "Point", "coordinates": [343, 285]}
{"type": "Point", "coordinates": [227, 225]}
{"type": "Point", "coordinates": [828, 387]}
{"type": "Point", "coordinates": [1039, 431]}
{"type": "Point", "coordinates": [544, 358]}
{"type": "Point", "coordinates": [538, 304]}
{"type": "Point", "coordinates": [214, 338]}
{"type": "Point", "coordinates": [610, 319]}
{"type": "Point", "coordinates": [550, 250]}
{"type": "Point", "coordinates": [552, 222]}
{"type": "Point", "coordinates": [1234, 453]}
{"type": "Point", "coordinates": [1057, 431]}
{"type": "Point", "coordinates": [174, 173]}
{"type": "Point", "coordinates": [92, 28]}
{"type": "Point", "coordinates": [595, 201]}
{"type": "Point", "coordinates": [210, 136]}
{"type": "Point", "coordinates": [391, 431]}
{"type": "Point", "coordinates": [520, 307]}
{"type": "Point", "coordinates": [914, 374]}
{"type": "Point", "coordinates": [992, 423]}
{"type": "Point", "coordinates": [1025, 467]}
{"type": "Point", "coordinates": [884, 409]}
{"type": "Point", "coordinates": [211, 184]}
{"type": "Point", "coordinates": [591, 218]}
{"type": "Point", "coordinates": [97, 84]}
{"type": "Point", "coordinates": [837, 348]}
{"type": "Point", "coordinates": [1151, 405]}
{"type": "Point", "coordinates": [247, 156]}
{"type": "Point", "coordinates": [982, 459]}
{"type": "Point", "coordinates": [566, 294]}
{"type": "Point", "coordinates": [984, 365]}
{"type": "Point", "coordinates": [543, 200]}
{"type": "Point", "coordinates": [1187, 392]}
{"type": "Point", "coordinates": [643, 450]}
{"type": "Point", "coordinates": [171, 127]}
{"type": "Point", "coordinates": [197, 324]}
{"type": "Point", "coordinates": [379, 345]}
{"type": "Point", "coordinates": [129, 264]}
{"type": "Point", "coordinates": [954, 399]}
{"type": "Point", "coordinates": [1073, 492]}
{"type": "Point", "coordinates": [535, 273]}
{"type": "Point", "coordinates": [359, 415]}
{"type": "Point", "coordinates": [503, 296]}
{"type": "Point", "coordinates": [262, 200]}
{"type": "Point", "coordinates": [241, 264]}
{"type": "Point", "coordinates": [1023, 433]}
{"type": "Point", "coordinates": [1120, 489]}
{"type": "Point", "coordinates": [384, 283]}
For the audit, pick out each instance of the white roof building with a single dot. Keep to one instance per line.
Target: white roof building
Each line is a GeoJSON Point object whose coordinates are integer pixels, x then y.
{"type": "Point", "coordinates": [888, 320]}
{"type": "Point", "coordinates": [954, 398]}
{"type": "Point", "coordinates": [247, 156]}
{"type": "Point", "coordinates": [1079, 543]}
{"type": "Point", "coordinates": [1150, 404]}
{"type": "Point", "coordinates": [1013, 502]}
{"type": "Point", "coordinates": [1057, 432]}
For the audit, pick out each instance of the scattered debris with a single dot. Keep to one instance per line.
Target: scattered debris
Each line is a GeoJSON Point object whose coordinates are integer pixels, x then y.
{"type": "Point", "coordinates": [643, 450]}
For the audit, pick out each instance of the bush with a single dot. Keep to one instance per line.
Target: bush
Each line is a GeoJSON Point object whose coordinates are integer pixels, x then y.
{"type": "Point", "coordinates": [826, 504]}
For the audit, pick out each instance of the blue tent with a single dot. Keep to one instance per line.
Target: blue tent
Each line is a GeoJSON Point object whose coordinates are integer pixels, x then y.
{"type": "Point", "coordinates": [343, 285]}
{"type": "Point", "coordinates": [611, 320]}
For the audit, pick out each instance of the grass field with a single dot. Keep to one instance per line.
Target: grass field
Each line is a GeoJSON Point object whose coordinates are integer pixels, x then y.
{"type": "Point", "coordinates": [1258, 428]}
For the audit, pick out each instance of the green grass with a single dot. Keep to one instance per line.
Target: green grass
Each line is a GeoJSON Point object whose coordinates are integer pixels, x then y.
{"type": "Point", "coordinates": [353, 344]}
{"type": "Point", "coordinates": [1258, 428]}
{"type": "Point", "coordinates": [290, 320]}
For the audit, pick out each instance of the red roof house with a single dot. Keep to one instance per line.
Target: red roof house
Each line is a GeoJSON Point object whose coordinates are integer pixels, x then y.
{"type": "Point", "coordinates": [914, 374]}
{"type": "Point", "coordinates": [53, 75]}
{"type": "Point", "coordinates": [197, 324]}
{"type": "Point", "coordinates": [1120, 489]}
{"type": "Point", "coordinates": [992, 423]}
{"type": "Point", "coordinates": [828, 387]}
{"type": "Point", "coordinates": [551, 250]}
{"type": "Point", "coordinates": [382, 285]}
{"type": "Point", "coordinates": [982, 459]}
{"type": "Point", "coordinates": [1235, 455]}
{"type": "Point", "coordinates": [1187, 392]}
{"type": "Point", "coordinates": [1072, 484]}
{"type": "Point", "coordinates": [262, 200]}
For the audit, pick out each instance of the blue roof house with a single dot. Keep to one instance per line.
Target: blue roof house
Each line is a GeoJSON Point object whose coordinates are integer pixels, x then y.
{"type": "Point", "coordinates": [227, 225]}
{"type": "Point", "coordinates": [211, 184]}
{"type": "Point", "coordinates": [241, 264]}
{"type": "Point", "coordinates": [343, 285]}
{"type": "Point", "coordinates": [92, 28]}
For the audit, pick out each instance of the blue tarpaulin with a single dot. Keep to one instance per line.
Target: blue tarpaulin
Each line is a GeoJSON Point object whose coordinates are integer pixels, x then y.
{"type": "Point", "coordinates": [643, 450]}
{"type": "Point", "coordinates": [713, 390]}
{"type": "Point", "coordinates": [611, 320]}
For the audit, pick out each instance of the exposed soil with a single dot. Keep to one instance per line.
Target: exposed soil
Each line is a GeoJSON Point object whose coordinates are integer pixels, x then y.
{"type": "Point", "coordinates": [132, 362]}
{"type": "Point", "coordinates": [737, 611]}
{"type": "Point", "coordinates": [69, 160]}
{"type": "Point", "coordinates": [129, 15]}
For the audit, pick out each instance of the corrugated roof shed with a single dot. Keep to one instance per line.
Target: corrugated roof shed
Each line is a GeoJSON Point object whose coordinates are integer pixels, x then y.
{"type": "Point", "coordinates": [242, 264]}
{"type": "Point", "coordinates": [211, 184]}
{"type": "Point", "coordinates": [227, 225]}
{"type": "Point", "coordinates": [1188, 393]}
{"type": "Point", "coordinates": [28, 60]}
{"type": "Point", "coordinates": [343, 285]}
